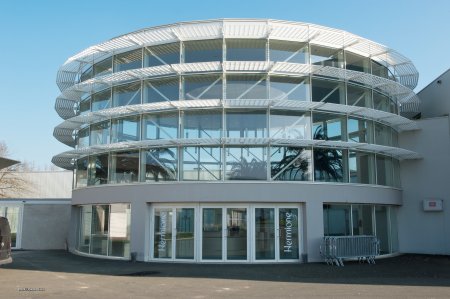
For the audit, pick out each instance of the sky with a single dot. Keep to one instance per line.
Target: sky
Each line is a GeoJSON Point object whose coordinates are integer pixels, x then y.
{"type": "Point", "coordinates": [37, 37]}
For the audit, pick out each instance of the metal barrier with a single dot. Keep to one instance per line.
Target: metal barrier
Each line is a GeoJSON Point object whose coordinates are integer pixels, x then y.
{"type": "Point", "coordinates": [336, 248]}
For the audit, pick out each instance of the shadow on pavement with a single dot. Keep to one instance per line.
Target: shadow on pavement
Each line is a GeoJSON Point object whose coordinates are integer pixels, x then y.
{"type": "Point", "coordinates": [417, 270]}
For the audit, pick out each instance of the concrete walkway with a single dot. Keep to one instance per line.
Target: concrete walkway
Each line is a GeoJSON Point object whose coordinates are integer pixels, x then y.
{"type": "Point", "coordinates": [58, 274]}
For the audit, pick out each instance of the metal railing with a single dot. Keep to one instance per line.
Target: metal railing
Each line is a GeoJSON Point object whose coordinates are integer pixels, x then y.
{"type": "Point", "coordinates": [334, 249]}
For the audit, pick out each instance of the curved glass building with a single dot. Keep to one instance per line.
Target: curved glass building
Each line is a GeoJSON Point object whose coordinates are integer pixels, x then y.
{"type": "Point", "coordinates": [233, 140]}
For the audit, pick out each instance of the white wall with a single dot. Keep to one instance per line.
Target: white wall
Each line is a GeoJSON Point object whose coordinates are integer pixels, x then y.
{"type": "Point", "coordinates": [427, 178]}
{"type": "Point", "coordinates": [436, 97]}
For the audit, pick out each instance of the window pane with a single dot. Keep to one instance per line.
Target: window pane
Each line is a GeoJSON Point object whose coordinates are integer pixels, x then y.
{"type": "Point", "coordinates": [327, 56]}
{"type": "Point", "coordinates": [124, 167]}
{"type": "Point", "coordinates": [362, 220]}
{"type": "Point", "coordinates": [128, 61]}
{"type": "Point", "coordinates": [246, 163]}
{"type": "Point", "coordinates": [161, 126]}
{"type": "Point", "coordinates": [381, 102]}
{"type": "Point", "coordinates": [159, 164]}
{"type": "Point", "coordinates": [329, 165]}
{"type": "Point", "coordinates": [185, 235]}
{"type": "Point", "coordinates": [290, 124]}
{"type": "Point", "coordinates": [384, 171]}
{"type": "Point", "coordinates": [162, 247]}
{"type": "Point", "coordinates": [289, 241]}
{"type": "Point", "coordinates": [252, 124]}
{"type": "Point", "coordinates": [101, 100]}
{"type": "Point", "coordinates": [379, 70]}
{"type": "Point", "coordinates": [85, 106]}
{"type": "Point", "coordinates": [394, 228]}
{"type": "Point", "coordinates": [202, 87]}
{"type": "Point", "coordinates": [360, 130]}
{"type": "Point", "coordinates": [125, 95]}
{"type": "Point", "coordinates": [84, 240]}
{"type": "Point", "coordinates": [100, 133]}
{"type": "Point", "coordinates": [83, 138]}
{"type": "Point", "coordinates": [382, 231]}
{"type": "Point", "coordinates": [212, 234]}
{"type": "Point", "coordinates": [126, 129]}
{"type": "Point", "coordinates": [383, 134]}
{"type": "Point", "coordinates": [328, 127]}
{"type": "Point", "coordinates": [87, 74]}
{"type": "Point", "coordinates": [206, 50]}
{"type": "Point", "coordinates": [356, 62]}
{"type": "Point", "coordinates": [161, 90]}
{"type": "Point", "coordinates": [290, 164]}
{"type": "Point", "coordinates": [163, 54]}
{"type": "Point", "coordinates": [99, 230]}
{"type": "Point", "coordinates": [358, 96]}
{"type": "Point", "coordinates": [202, 124]}
{"type": "Point", "coordinates": [119, 234]}
{"type": "Point", "coordinates": [362, 168]}
{"type": "Point", "coordinates": [328, 92]}
{"type": "Point", "coordinates": [202, 163]}
{"type": "Point", "coordinates": [81, 173]}
{"type": "Point", "coordinates": [246, 87]}
{"type": "Point", "coordinates": [289, 88]}
{"type": "Point", "coordinates": [336, 220]}
{"type": "Point", "coordinates": [287, 51]}
{"type": "Point", "coordinates": [396, 164]}
{"type": "Point", "coordinates": [103, 67]}
{"type": "Point", "coordinates": [246, 50]}
{"type": "Point", "coordinates": [98, 170]}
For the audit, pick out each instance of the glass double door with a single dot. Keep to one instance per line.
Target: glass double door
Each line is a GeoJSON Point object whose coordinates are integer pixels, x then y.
{"type": "Point", "coordinates": [250, 233]}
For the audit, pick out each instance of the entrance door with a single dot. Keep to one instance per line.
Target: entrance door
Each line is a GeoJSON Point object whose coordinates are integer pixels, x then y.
{"type": "Point", "coordinates": [276, 233]}
{"type": "Point", "coordinates": [224, 233]}
{"type": "Point", "coordinates": [170, 238]}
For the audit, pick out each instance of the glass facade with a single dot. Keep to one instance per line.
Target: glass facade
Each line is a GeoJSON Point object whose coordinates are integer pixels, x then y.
{"type": "Point", "coordinates": [104, 230]}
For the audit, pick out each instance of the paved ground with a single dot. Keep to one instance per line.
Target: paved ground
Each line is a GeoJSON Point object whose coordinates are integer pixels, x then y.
{"type": "Point", "coordinates": [58, 274]}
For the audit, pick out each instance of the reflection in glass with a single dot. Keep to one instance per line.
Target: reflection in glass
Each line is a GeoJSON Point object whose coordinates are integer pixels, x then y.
{"type": "Point", "coordinates": [160, 126]}
{"type": "Point", "coordinates": [128, 61]}
{"type": "Point", "coordinates": [185, 237]}
{"type": "Point", "coordinates": [81, 172]}
{"type": "Point", "coordinates": [163, 54]}
{"type": "Point", "coordinates": [246, 163]}
{"type": "Point", "coordinates": [126, 129]}
{"type": "Point", "coordinates": [204, 50]}
{"type": "Point", "coordinates": [246, 49]}
{"type": "Point", "coordinates": [381, 102]}
{"type": "Point", "coordinates": [329, 127]}
{"type": "Point", "coordinates": [288, 226]}
{"type": "Point", "coordinates": [356, 62]}
{"type": "Point", "coordinates": [162, 247]}
{"type": "Point", "coordinates": [288, 51]}
{"type": "Point", "coordinates": [394, 228]}
{"type": "Point", "coordinates": [246, 87]}
{"type": "Point", "coordinates": [289, 88]}
{"type": "Point", "coordinates": [290, 164]}
{"type": "Point", "coordinates": [212, 234]}
{"type": "Point", "coordinates": [100, 133]}
{"type": "Point", "coordinates": [383, 134]}
{"type": "Point", "coordinates": [329, 165]}
{"type": "Point", "coordinates": [359, 130]}
{"type": "Point", "coordinates": [396, 164]}
{"type": "Point", "coordinates": [161, 90]}
{"type": "Point", "coordinates": [12, 214]}
{"type": "Point", "coordinates": [98, 170]}
{"type": "Point", "coordinates": [100, 229]}
{"type": "Point", "coordinates": [379, 70]}
{"type": "Point", "coordinates": [202, 163]}
{"type": "Point", "coordinates": [328, 91]}
{"type": "Point", "coordinates": [236, 234]}
{"type": "Point", "coordinates": [290, 124]}
{"type": "Point", "coordinates": [159, 164]}
{"type": "Point", "coordinates": [85, 106]}
{"type": "Point", "coordinates": [119, 232]}
{"type": "Point", "coordinates": [101, 100]}
{"type": "Point", "coordinates": [362, 167]}
{"type": "Point", "coordinates": [251, 124]}
{"type": "Point", "coordinates": [124, 167]}
{"type": "Point", "coordinates": [202, 124]}
{"type": "Point", "coordinates": [362, 220]}
{"type": "Point", "coordinates": [83, 138]}
{"type": "Point", "coordinates": [125, 95]}
{"type": "Point", "coordinates": [327, 56]}
{"type": "Point", "coordinates": [382, 228]}
{"type": "Point", "coordinates": [264, 233]}
{"type": "Point", "coordinates": [202, 87]}
{"type": "Point", "coordinates": [336, 220]}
